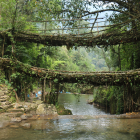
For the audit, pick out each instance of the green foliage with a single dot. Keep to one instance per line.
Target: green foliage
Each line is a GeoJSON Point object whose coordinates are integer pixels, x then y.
{"type": "Point", "coordinates": [15, 14]}
{"type": "Point", "coordinates": [12, 99]}
{"type": "Point", "coordinates": [2, 77]}
{"type": "Point", "coordinates": [15, 75]}
{"type": "Point", "coordinates": [111, 97]}
{"type": "Point", "coordinates": [74, 60]}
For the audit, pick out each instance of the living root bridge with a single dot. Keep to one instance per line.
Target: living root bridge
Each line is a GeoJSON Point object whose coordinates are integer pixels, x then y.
{"type": "Point", "coordinates": [94, 78]}
{"type": "Point", "coordinates": [104, 39]}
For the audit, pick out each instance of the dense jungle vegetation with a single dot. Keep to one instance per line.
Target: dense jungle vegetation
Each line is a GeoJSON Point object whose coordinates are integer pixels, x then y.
{"type": "Point", "coordinates": [16, 15]}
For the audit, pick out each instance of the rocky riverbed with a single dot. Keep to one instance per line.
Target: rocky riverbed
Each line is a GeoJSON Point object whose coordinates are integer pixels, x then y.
{"type": "Point", "coordinates": [27, 114]}
{"type": "Point", "coordinates": [18, 112]}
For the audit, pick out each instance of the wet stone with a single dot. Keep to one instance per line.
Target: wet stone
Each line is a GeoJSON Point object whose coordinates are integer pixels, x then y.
{"type": "Point", "coordinates": [34, 117]}
{"type": "Point", "coordinates": [39, 102]}
{"type": "Point", "coordinates": [41, 109]}
{"type": "Point", "coordinates": [23, 117]}
{"type": "Point", "coordinates": [1, 93]}
{"type": "Point", "coordinates": [29, 115]}
{"type": "Point", "coordinates": [25, 125]}
{"type": "Point", "coordinates": [15, 110]}
{"type": "Point", "coordinates": [17, 119]}
{"type": "Point", "coordinates": [5, 103]}
{"type": "Point", "coordinates": [4, 97]}
{"type": "Point", "coordinates": [2, 100]}
{"type": "Point", "coordinates": [4, 124]}
{"type": "Point", "coordinates": [33, 112]}
{"type": "Point", "coordinates": [14, 114]}
{"type": "Point", "coordinates": [6, 106]}
{"type": "Point", "coordinates": [16, 105]}
{"type": "Point", "coordinates": [14, 126]}
{"type": "Point", "coordinates": [18, 114]}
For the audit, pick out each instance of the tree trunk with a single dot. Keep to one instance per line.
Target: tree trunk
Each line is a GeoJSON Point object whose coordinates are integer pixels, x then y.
{"type": "Point", "coordinates": [119, 57]}
{"type": "Point", "coordinates": [43, 89]}
{"type": "Point", "coordinates": [17, 99]}
{"type": "Point", "coordinates": [3, 48]}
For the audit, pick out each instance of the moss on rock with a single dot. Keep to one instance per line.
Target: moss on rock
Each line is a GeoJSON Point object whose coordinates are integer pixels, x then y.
{"type": "Point", "coordinates": [62, 111]}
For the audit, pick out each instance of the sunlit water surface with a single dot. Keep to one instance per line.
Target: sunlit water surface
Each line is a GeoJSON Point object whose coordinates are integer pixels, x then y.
{"type": "Point", "coordinates": [76, 129]}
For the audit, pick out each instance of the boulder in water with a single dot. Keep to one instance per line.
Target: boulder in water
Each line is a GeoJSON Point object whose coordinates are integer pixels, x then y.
{"type": "Point", "coordinates": [25, 125]}
{"type": "Point", "coordinates": [41, 109]}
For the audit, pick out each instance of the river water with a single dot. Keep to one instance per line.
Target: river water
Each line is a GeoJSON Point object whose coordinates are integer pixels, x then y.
{"type": "Point", "coordinates": [76, 128]}
{"type": "Point", "coordinates": [77, 103]}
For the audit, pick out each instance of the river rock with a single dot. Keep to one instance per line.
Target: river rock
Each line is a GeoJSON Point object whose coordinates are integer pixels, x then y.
{"type": "Point", "coordinates": [17, 119]}
{"type": "Point", "coordinates": [14, 126]}
{"type": "Point", "coordinates": [51, 110]}
{"type": "Point", "coordinates": [33, 106]}
{"type": "Point", "coordinates": [33, 112]}
{"type": "Point", "coordinates": [4, 97]}
{"type": "Point", "coordinates": [29, 106]}
{"type": "Point", "coordinates": [22, 109]}
{"type": "Point", "coordinates": [62, 111]}
{"type": "Point", "coordinates": [7, 103]}
{"type": "Point", "coordinates": [29, 115]}
{"type": "Point", "coordinates": [25, 106]}
{"type": "Point", "coordinates": [3, 100]}
{"type": "Point", "coordinates": [4, 124]}
{"type": "Point", "coordinates": [25, 125]}
{"type": "Point", "coordinates": [38, 102]}
{"type": "Point", "coordinates": [23, 117]}
{"type": "Point", "coordinates": [13, 114]}
{"type": "Point", "coordinates": [1, 93]}
{"type": "Point", "coordinates": [17, 105]}
{"type": "Point", "coordinates": [3, 103]}
{"type": "Point", "coordinates": [41, 109]}
{"type": "Point", "coordinates": [15, 110]}
{"type": "Point", "coordinates": [90, 102]}
{"type": "Point", "coordinates": [5, 107]}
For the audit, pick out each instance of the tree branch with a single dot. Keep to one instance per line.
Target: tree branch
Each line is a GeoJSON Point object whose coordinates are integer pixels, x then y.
{"type": "Point", "coordinates": [104, 10]}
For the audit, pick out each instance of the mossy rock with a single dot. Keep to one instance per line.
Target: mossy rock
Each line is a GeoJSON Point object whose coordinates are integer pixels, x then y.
{"type": "Point", "coordinates": [2, 110]}
{"type": "Point", "coordinates": [12, 99]}
{"type": "Point", "coordinates": [62, 111]}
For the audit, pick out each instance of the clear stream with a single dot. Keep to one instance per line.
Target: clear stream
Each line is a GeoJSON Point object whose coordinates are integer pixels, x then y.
{"type": "Point", "coordinates": [76, 129]}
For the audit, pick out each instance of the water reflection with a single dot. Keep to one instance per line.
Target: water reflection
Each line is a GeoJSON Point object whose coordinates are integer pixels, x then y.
{"type": "Point", "coordinates": [67, 128]}
{"type": "Point", "coordinates": [78, 104]}
{"type": "Point", "coordinates": [75, 129]}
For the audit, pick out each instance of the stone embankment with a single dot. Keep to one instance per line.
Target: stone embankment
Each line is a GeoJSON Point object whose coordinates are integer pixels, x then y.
{"type": "Point", "coordinates": [4, 98]}
{"type": "Point", "coordinates": [18, 112]}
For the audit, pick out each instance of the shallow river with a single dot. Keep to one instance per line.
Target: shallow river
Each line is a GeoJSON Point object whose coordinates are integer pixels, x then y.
{"type": "Point", "coordinates": [77, 103]}
{"type": "Point", "coordinates": [76, 129]}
